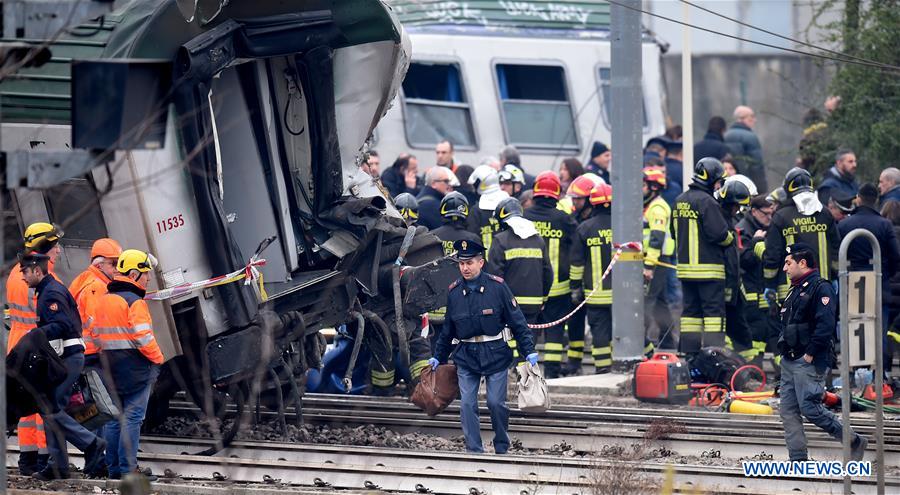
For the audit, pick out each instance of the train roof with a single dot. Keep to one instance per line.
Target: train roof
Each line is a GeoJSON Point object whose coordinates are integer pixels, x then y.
{"type": "Point", "coordinates": [156, 29]}
{"type": "Point", "coordinates": [542, 18]}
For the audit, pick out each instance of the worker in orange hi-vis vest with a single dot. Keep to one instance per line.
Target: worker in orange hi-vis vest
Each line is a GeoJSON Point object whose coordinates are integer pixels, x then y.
{"type": "Point", "coordinates": [41, 238]}
{"type": "Point", "coordinates": [124, 329]}
{"type": "Point", "coordinates": [91, 284]}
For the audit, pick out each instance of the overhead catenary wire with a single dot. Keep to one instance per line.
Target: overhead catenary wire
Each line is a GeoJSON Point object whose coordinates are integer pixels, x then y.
{"type": "Point", "coordinates": [761, 43]}
{"type": "Point", "coordinates": [786, 38]}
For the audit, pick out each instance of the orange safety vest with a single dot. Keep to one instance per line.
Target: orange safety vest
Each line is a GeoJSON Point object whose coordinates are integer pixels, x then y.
{"type": "Point", "coordinates": [88, 285]}
{"type": "Point", "coordinates": [22, 319]}
{"type": "Point", "coordinates": [120, 325]}
{"type": "Point", "coordinates": [21, 301]}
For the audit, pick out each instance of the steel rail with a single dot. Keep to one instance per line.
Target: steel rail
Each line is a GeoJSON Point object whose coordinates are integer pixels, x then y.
{"type": "Point", "coordinates": [441, 472]}
{"type": "Point", "coordinates": [364, 404]}
{"type": "Point", "coordinates": [595, 438]}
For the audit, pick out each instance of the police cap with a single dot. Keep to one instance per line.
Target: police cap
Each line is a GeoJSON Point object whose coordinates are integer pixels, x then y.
{"type": "Point", "coordinates": [802, 251]}
{"type": "Point", "coordinates": [468, 249]}
{"type": "Point", "coordinates": [32, 259]}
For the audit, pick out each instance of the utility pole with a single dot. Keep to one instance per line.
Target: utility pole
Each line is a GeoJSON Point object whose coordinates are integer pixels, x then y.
{"type": "Point", "coordinates": [627, 205]}
{"type": "Point", "coordinates": [687, 100]}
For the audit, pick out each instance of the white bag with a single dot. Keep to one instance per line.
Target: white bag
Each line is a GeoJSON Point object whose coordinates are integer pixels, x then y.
{"type": "Point", "coordinates": [534, 396]}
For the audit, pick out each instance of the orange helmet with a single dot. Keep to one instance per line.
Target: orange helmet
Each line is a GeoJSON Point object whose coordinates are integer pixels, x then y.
{"type": "Point", "coordinates": [547, 184]}
{"type": "Point", "coordinates": [601, 195]}
{"type": "Point", "coordinates": [582, 185]}
{"type": "Point", "coordinates": [655, 174]}
{"type": "Point", "coordinates": [106, 248]}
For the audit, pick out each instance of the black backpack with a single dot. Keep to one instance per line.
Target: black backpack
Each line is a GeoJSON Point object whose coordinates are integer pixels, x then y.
{"type": "Point", "coordinates": [715, 365]}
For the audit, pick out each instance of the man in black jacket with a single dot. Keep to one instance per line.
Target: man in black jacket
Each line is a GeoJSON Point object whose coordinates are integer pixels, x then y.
{"type": "Point", "coordinates": [58, 318]}
{"type": "Point", "coordinates": [806, 344]}
{"type": "Point", "coordinates": [437, 184]}
{"type": "Point", "coordinates": [713, 143]}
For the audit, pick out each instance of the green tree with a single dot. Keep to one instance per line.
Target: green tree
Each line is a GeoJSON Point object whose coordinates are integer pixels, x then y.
{"type": "Point", "coordinates": [868, 118]}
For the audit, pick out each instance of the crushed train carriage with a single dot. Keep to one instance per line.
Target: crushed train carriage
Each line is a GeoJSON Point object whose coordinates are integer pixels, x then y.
{"type": "Point", "coordinates": [271, 104]}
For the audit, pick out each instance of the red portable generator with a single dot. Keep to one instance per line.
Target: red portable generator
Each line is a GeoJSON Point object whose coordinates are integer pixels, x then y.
{"type": "Point", "coordinates": [663, 378]}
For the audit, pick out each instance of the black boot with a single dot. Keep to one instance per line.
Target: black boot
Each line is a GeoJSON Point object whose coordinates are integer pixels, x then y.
{"type": "Point", "coordinates": [573, 367]}
{"type": "Point", "coordinates": [95, 459]}
{"type": "Point", "coordinates": [551, 370]}
{"type": "Point", "coordinates": [28, 463]}
{"type": "Point", "coordinates": [51, 473]}
{"type": "Point", "coordinates": [43, 460]}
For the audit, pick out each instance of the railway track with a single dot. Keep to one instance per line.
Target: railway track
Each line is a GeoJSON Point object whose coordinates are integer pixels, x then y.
{"type": "Point", "coordinates": [395, 470]}
{"type": "Point", "coordinates": [591, 429]}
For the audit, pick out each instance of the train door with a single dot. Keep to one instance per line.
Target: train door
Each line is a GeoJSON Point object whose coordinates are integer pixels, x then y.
{"type": "Point", "coordinates": [252, 183]}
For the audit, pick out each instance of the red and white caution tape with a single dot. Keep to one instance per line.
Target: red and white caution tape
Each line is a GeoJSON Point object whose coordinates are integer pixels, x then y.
{"type": "Point", "coordinates": [248, 274]}
{"type": "Point", "coordinates": [634, 246]}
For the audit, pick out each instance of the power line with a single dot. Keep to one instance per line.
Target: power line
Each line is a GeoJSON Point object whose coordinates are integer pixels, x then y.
{"type": "Point", "coordinates": [792, 40]}
{"type": "Point", "coordinates": [760, 43]}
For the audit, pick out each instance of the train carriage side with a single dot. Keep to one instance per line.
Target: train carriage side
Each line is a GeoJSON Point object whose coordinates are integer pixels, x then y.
{"type": "Point", "coordinates": [267, 123]}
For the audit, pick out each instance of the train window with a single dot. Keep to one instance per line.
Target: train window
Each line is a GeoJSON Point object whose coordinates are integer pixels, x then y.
{"type": "Point", "coordinates": [75, 206]}
{"type": "Point", "coordinates": [605, 84]}
{"type": "Point", "coordinates": [535, 106]}
{"type": "Point", "coordinates": [436, 107]}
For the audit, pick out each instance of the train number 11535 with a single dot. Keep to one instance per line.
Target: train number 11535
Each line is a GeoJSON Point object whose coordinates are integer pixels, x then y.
{"type": "Point", "coordinates": [170, 223]}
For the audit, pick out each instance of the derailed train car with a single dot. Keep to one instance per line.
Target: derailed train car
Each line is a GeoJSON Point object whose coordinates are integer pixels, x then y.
{"type": "Point", "coordinates": [270, 107]}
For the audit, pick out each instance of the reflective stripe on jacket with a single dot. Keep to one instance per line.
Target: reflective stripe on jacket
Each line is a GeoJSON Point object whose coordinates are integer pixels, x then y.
{"type": "Point", "coordinates": [557, 228]}
{"type": "Point", "coordinates": [701, 235]}
{"type": "Point", "coordinates": [525, 266]}
{"type": "Point", "coordinates": [592, 251]}
{"type": "Point", "coordinates": [657, 240]}
{"type": "Point", "coordinates": [122, 321]}
{"type": "Point", "coordinates": [88, 285]}
{"type": "Point", "coordinates": [789, 226]}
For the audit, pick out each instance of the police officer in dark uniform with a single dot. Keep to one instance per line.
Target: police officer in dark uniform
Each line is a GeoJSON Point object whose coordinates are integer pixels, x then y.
{"type": "Point", "coordinates": [59, 319]}
{"type": "Point", "coordinates": [806, 345]}
{"type": "Point", "coordinates": [454, 213]}
{"type": "Point", "coordinates": [479, 306]}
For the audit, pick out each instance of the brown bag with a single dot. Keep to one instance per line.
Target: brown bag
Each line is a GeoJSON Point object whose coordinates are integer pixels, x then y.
{"type": "Point", "coordinates": [436, 389]}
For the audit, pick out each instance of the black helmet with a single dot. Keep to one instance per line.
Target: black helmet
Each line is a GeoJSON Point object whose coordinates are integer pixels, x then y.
{"type": "Point", "coordinates": [797, 180]}
{"type": "Point", "coordinates": [734, 193]}
{"type": "Point", "coordinates": [708, 171]}
{"type": "Point", "coordinates": [454, 206]}
{"type": "Point", "coordinates": [408, 206]}
{"type": "Point", "coordinates": [509, 207]}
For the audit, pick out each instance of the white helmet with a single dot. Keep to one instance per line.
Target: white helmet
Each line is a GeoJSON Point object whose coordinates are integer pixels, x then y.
{"type": "Point", "coordinates": [454, 180]}
{"type": "Point", "coordinates": [745, 180]}
{"type": "Point", "coordinates": [485, 179]}
{"type": "Point", "coordinates": [511, 173]}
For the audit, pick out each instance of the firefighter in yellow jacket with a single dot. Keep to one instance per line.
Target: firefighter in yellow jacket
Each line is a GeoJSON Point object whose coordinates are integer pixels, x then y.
{"type": "Point", "coordinates": [701, 236]}
{"type": "Point", "coordinates": [659, 249]}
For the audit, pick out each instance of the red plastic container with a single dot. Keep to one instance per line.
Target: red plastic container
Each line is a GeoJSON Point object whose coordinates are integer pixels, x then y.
{"type": "Point", "coordinates": [664, 378]}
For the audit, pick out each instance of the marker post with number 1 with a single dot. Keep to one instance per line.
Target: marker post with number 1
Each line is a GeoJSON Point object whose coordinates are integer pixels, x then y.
{"type": "Point", "coordinates": [861, 341]}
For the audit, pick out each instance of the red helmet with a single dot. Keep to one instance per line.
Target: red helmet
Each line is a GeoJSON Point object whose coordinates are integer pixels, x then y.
{"type": "Point", "coordinates": [654, 174]}
{"type": "Point", "coordinates": [601, 195]}
{"type": "Point", "coordinates": [547, 184]}
{"type": "Point", "coordinates": [582, 185]}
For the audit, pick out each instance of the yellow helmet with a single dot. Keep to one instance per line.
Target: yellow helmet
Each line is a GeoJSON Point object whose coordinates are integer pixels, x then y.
{"type": "Point", "coordinates": [41, 235]}
{"type": "Point", "coordinates": [132, 259]}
